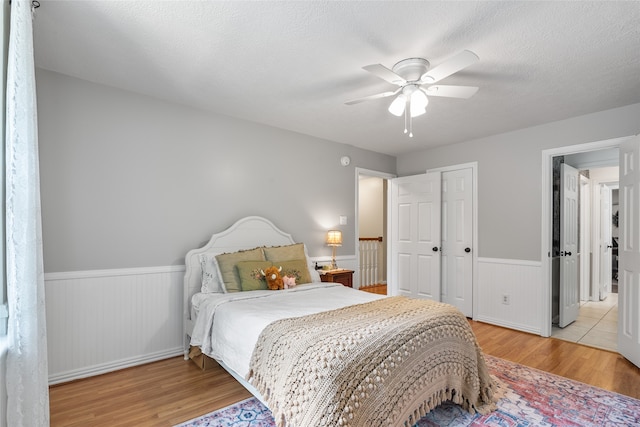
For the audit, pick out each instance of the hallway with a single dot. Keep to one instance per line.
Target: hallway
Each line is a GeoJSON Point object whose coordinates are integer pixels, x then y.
{"type": "Point", "coordinates": [596, 326]}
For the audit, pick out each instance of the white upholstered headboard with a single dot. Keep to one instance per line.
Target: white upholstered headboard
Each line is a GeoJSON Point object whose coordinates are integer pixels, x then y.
{"type": "Point", "coordinates": [246, 233]}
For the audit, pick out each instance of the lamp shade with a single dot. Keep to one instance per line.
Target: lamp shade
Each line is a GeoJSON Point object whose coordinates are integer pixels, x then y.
{"type": "Point", "coordinates": [334, 238]}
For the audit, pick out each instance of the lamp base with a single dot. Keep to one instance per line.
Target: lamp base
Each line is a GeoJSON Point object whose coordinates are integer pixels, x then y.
{"type": "Point", "coordinates": [333, 258]}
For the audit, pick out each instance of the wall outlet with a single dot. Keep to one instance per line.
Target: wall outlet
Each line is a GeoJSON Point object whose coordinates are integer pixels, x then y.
{"type": "Point", "coordinates": [506, 299]}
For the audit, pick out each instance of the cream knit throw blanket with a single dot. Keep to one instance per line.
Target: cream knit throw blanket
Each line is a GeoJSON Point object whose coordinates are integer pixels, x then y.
{"type": "Point", "coordinates": [383, 363]}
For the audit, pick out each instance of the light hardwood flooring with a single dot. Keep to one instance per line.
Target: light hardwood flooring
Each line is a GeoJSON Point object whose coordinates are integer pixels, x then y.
{"type": "Point", "coordinates": [172, 391]}
{"type": "Point", "coordinates": [375, 289]}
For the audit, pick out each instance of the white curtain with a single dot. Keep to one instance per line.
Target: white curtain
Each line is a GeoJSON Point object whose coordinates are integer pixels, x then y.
{"type": "Point", "coordinates": [27, 385]}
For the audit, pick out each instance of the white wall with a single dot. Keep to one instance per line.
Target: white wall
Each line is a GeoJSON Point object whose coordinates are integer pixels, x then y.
{"type": "Point", "coordinates": [129, 184]}
{"type": "Point", "coordinates": [129, 181]}
{"type": "Point", "coordinates": [509, 175]}
{"type": "Point", "coordinates": [371, 207]}
{"type": "Point", "coordinates": [604, 175]}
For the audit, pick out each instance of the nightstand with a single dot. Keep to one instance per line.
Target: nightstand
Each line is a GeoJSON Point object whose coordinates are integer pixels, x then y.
{"type": "Point", "coordinates": [337, 276]}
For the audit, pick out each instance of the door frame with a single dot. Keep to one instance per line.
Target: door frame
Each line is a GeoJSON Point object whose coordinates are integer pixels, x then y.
{"type": "Point", "coordinates": [546, 218]}
{"type": "Point", "coordinates": [383, 175]}
{"type": "Point", "coordinates": [596, 200]}
{"type": "Point", "coordinates": [474, 214]}
{"type": "Point", "coordinates": [585, 238]}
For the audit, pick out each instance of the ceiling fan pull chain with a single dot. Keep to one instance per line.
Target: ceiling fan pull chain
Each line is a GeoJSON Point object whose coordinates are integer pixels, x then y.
{"type": "Point", "coordinates": [406, 119]}
{"type": "Point", "coordinates": [410, 127]}
{"type": "Point", "coordinates": [407, 112]}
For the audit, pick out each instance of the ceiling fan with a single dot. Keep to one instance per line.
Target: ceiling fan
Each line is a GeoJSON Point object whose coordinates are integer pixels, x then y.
{"type": "Point", "coordinates": [416, 81]}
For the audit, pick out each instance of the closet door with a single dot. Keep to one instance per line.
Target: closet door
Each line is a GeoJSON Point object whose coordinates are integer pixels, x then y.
{"type": "Point", "coordinates": [415, 236]}
{"type": "Point", "coordinates": [457, 239]}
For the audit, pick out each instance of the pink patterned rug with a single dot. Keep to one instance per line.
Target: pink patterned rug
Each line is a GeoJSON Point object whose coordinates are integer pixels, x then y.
{"type": "Point", "coordinates": [532, 399]}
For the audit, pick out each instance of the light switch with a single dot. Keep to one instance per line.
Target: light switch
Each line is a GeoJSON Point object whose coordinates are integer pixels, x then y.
{"type": "Point", "coordinates": [343, 220]}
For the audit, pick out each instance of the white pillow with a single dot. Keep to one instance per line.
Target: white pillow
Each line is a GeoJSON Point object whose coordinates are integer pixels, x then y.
{"type": "Point", "coordinates": [211, 283]}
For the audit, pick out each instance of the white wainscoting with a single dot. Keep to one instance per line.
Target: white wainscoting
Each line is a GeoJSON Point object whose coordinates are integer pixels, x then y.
{"type": "Point", "coordinates": [521, 282]}
{"type": "Point", "coordinates": [104, 320]}
{"type": "Point", "coordinates": [4, 344]}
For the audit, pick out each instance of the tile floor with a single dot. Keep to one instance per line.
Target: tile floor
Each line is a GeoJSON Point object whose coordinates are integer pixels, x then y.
{"type": "Point", "coordinates": [596, 326]}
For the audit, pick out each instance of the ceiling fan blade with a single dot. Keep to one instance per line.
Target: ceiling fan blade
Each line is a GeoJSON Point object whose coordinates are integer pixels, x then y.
{"type": "Point", "coordinates": [385, 74]}
{"type": "Point", "coordinates": [376, 96]}
{"type": "Point", "coordinates": [453, 65]}
{"type": "Point", "coordinates": [463, 92]}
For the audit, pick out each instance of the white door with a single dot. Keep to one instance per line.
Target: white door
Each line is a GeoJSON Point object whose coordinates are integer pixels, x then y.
{"type": "Point", "coordinates": [569, 287]}
{"type": "Point", "coordinates": [415, 236]}
{"type": "Point", "coordinates": [629, 252]}
{"type": "Point", "coordinates": [605, 241]}
{"type": "Point", "coordinates": [457, 239]}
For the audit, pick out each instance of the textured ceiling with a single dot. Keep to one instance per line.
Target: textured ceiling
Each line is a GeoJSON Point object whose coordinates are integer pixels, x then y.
{"type": "Point", "coordinates": [292, 65]}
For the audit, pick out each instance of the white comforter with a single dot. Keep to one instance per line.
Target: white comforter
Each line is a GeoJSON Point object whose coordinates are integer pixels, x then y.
{"type": "Point", "coordinates": [228, 325]}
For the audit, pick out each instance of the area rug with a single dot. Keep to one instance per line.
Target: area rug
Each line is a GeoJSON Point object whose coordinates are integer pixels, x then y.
{"type": "Point", "coordinates": [532, 398]}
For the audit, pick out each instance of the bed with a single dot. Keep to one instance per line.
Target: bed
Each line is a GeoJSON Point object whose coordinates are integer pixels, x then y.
{"type": "Point", "coordinates": [322, 354]}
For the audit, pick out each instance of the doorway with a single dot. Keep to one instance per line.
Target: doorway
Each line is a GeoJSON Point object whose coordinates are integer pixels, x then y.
{"type": "Point", "coordinates": [593, 319]}
{"type": "Point", "coordinates": [371, 230]}
{"type": "Point", "coordinates": [592, 155]}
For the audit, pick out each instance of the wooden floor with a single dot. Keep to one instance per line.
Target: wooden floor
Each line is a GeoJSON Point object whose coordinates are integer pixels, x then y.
{"type": "Point", "coordinates": [171, 391]}
{"type": "Point", "coordinates": [375, 289]}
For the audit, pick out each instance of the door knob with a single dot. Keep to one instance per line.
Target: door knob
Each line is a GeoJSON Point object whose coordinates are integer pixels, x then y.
{"type": "Point", "coordinates": [435, 249]}
{"type": "Point", "coordinates": [566, 253]}
{"type": "Point", "coordinates": [467, 250]}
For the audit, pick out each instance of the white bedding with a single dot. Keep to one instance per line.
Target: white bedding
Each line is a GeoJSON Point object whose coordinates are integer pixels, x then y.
{"type": "Point", "coordinates": [228, 325]}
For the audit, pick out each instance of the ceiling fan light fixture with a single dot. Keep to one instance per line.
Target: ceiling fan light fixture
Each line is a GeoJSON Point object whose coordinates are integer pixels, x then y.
{"type": "Point", "coordinates": [415, 78]}
{"type": "Point", "coordinates": [419, 102]}
{"type": "Point", "coordinates": [397, 106]}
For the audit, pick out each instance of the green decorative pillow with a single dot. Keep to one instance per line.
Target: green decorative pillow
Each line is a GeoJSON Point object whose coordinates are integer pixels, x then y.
{"type": "Point", "coordinates": [285, 253]}
{"type": "Point", "coordinates": [227, 266]}
{"type": "Point", "coordinates": [250, 277]}
{"type": "Point", "coordinates": [296, 268]}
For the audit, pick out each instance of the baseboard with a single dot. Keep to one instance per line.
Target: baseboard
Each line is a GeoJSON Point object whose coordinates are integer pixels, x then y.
{"type": "Point", "coordinates": [104, 368]}
{"type": "Point", "coordinates": [508, 325]}
{"type": "Point", "coordinates": [507, 261]}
